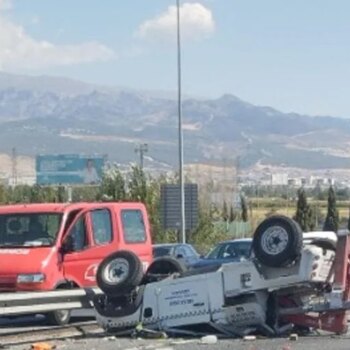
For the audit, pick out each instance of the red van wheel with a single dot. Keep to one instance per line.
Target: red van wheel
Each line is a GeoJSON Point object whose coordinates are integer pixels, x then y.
{"type": "Point", "coordinates": [58, 317]}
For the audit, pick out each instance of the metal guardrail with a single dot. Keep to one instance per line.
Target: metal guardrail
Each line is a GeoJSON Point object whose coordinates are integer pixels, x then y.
{"type": "Point", "coordinates": [22, 303]}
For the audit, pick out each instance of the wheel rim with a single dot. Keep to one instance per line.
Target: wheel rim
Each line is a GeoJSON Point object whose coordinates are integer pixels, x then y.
{"type": "Point", "coordinates": [274, 240]}
{"type": "Point", "coordinates": [116, 271]}
{"type": "Point", "coordinates": [62, 315]}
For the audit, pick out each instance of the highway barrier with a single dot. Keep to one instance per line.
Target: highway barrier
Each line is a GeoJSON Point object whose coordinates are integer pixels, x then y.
{"type": "Point", "coordinates": [22, 303]}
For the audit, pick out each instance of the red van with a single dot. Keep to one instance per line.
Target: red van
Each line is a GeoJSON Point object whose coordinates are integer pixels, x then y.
{"type": "Point", "coordinates": [54, 245]}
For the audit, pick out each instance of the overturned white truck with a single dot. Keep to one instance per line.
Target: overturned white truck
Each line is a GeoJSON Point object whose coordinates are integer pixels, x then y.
{"type": "Point", "coordinates": [292, 280]}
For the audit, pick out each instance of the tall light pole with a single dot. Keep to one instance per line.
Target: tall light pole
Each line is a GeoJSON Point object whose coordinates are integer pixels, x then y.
{"type": "Point", "coordinates": [182, 185]}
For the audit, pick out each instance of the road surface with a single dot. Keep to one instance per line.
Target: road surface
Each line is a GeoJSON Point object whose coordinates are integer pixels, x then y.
{"type": "Point", "coordinates": [105, 343]}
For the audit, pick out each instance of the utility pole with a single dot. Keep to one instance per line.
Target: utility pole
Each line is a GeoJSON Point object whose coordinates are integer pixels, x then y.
{"type": "Point", "coordinates": [14, 166]}
{"type": "Point", "coordinates": [182, 185]}
{"type": "Point", "coordinates": [142, 149]}
{"type": "Point", "coordinates": [224, 189]}
{"type": "Point", "coordinates": [238, 159]}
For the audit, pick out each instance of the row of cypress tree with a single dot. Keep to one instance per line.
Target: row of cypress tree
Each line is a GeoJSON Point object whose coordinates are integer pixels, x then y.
{"type": "Point", "coordinates": [305, 214]}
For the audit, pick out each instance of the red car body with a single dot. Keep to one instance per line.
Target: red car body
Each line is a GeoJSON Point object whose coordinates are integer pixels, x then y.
{"type": "Point", "coordinates": [75, 238]}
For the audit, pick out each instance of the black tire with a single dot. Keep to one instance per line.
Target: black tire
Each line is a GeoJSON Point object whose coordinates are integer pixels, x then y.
{"type": "Point", "coordinates": [166, 266]}
{"type": "Point", "coordinates": [277, 241]}
{"type": "Point", "coordinates": [129, 268]}
{"type": "Point", "coordinates": [162, 268]}
{"type": "Point", "coordinates": [58, 318]}
{"type": "Point", "coordinates": [118, 306]}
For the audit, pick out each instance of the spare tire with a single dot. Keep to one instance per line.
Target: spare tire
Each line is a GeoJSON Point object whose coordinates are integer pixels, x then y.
{"type": "Point", "coordinates": [119, 273]}
{"type": "Point", "coordinates": [277, 241]}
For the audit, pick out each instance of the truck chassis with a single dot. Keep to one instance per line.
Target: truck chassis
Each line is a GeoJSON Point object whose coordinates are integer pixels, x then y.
{"type": "Point", "coordinates": [311, 291]}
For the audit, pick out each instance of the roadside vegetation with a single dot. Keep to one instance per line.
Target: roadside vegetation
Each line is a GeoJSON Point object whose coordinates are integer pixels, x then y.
{"type": "Point", "coordinates": [314, 209]}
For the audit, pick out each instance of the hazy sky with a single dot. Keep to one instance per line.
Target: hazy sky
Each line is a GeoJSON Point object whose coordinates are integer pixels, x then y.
{"type": "Point", "coordinates": [291, 55]}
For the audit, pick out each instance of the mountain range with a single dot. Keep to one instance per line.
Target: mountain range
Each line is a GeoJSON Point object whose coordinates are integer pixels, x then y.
{"type": "Point", "coordinates": [45, 115]}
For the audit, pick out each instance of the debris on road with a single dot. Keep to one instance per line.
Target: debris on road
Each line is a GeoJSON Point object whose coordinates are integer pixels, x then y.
{"type": "Point", "coordinates": [141, 332]}
{"type": "Point", "coordinates": [249, 338]}
{"type": "Point", "coordinates": [294, 337]}
{"type": "Point", "coordinates": [182, 342]}
{"type": "Point", "coordinates": [209, 339]}
{"type": "Point", "coordinates": [42, 346]}
{"type": "Point", "coordinates": [110, 338]}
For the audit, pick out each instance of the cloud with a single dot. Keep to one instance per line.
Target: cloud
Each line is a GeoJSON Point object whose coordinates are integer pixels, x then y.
{"type": "Point", "coordinates": [196, 23]}
{"type": "Point", "coordinates": [5, 5]}
{"type": "Point", "coordinates": [35, 20]}
{"type": "Point", "coordinates": [18, 50]}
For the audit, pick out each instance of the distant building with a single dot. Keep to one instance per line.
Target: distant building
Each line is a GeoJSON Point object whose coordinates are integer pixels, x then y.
{"type": "Point", "coordinates": [279, 179]}
{"type": "Point", "coordinates": [331, 181]}
{"type": "Point", "coordinates": [295, 182]}
{"type": "Point", "coordinates": [303, 181]}
{"type": "Point", "coordinates": [322, 181]}
{"type": "Point", "coordinates": [21, 180]}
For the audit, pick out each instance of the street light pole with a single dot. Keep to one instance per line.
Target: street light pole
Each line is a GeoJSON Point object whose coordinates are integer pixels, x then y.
{"type": "Point", "coordinates": [182, 186]}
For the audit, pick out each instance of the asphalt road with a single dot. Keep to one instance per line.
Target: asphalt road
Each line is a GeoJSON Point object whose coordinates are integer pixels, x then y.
{"type": "Point", "coordinates": [105, 343]}
{"type": "Point", "coordinates": [27, 322]}
{"type": "Point", "coordinates": [99, 341]}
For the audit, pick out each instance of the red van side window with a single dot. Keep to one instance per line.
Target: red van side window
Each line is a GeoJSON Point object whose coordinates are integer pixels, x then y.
{"type": "Point", "coordinates": [101, 226]}
{"type": "Point", "coordinates": [78, 235]}
{"type": "Point", "coordinates": [133, 226]}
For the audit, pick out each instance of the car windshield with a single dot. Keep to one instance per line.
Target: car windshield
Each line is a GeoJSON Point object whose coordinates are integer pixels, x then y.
{"type": "Point", "coordinates": [161, 251]}
{"type": "Point", "coordinates": [230, 250]}
{"type": "Point", "coordinates": [29, 229]}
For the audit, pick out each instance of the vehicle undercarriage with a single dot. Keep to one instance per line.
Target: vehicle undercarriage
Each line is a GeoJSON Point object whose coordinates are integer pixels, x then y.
{"type": "Point", "coordinates": [294, 281]}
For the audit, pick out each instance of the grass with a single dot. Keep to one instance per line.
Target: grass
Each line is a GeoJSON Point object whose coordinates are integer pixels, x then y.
{"type": "Point", "coordinates": [263, 207]}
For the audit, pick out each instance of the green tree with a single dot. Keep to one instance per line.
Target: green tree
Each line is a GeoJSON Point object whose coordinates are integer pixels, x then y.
{"type": "Point", "coordinates": [147, 190]}
{"type": "Point", "coordinates": [206, 235]}
{"type": "Point", "coordinates": [113, 185]}
{"type": "Point", "coordinates": [87, 193]}
{"type": "Point", "coordinates": [312, 218]}
{"type": "Point", "coordinates": [244, 208]}
{"type": "Point", "coordinates": [232, 214]}
{"type": "Point", "coordinates": [137, 185]}
{"type": "Point", "coordinates": [332, 219]}
{"type": "Point", "coordinates": [3, 194]}
{"type": "Point", "coordinates": [225, 212]}
{"type": "Point", "coordinates": [61, 194]}
{"type": "Point", "coordinates": [37, 194]}
{"type": "Point", "coordinates": [304, 215]}
{"type": "Point", "coordinates": [152, 203]}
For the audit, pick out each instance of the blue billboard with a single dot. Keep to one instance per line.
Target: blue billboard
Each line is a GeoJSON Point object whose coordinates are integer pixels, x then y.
{"type": "Point", "coordinates": [68, 169]}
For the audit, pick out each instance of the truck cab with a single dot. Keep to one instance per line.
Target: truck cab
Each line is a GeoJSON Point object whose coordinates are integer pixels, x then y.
{"type": "Point", "coordinates": [54, 245]}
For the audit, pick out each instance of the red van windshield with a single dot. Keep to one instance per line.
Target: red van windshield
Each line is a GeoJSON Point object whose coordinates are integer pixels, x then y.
{"type": "Point", "coordinates": [29, 229]}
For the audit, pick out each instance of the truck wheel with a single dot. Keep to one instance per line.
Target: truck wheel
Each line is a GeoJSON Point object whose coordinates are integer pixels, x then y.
{"type": "Point", "coordinates": [119, 273]}
{"type": "Point", "coordinates": [162, 268]}
{"type": "Point", "coordinates": [277, 241]}
{"type": "Point", "coordinates": [58, 318]}
{"type": "Point", "coordinates": [166, 265]}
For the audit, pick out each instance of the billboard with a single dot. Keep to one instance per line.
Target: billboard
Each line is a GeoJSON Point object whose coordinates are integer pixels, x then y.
{"type": "Point", "coordinates": [170, 210]}
{"type": "Point", "coordinates": [68, 169]}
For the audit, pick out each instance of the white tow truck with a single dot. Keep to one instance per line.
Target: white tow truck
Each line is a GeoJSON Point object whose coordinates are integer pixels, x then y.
{"type": "Point", "coordinates": [293, 280]}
